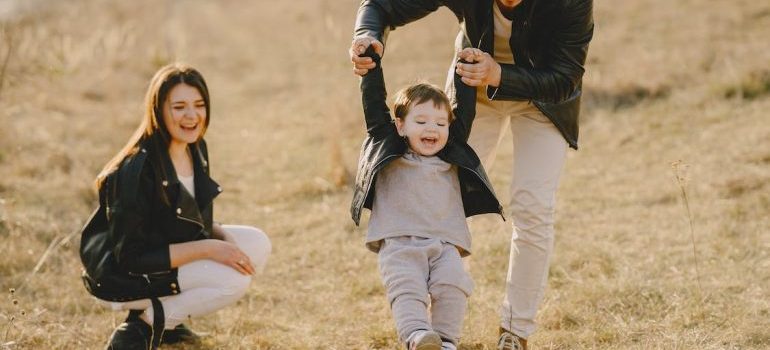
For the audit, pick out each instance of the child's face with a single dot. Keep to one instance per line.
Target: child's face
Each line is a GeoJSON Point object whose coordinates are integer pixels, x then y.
{"type": "Point", "coordinates": [426, 128]}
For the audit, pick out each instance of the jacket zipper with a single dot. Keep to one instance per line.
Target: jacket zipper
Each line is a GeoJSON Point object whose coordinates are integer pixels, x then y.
{"type": "Point", "coordinates": [499, 207]}
{"type": "Point", "coordinates": [190, 220]}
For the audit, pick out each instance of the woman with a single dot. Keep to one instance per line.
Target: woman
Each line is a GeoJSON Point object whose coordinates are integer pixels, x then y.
{"type": "Point", "coordinates": [160, 224]}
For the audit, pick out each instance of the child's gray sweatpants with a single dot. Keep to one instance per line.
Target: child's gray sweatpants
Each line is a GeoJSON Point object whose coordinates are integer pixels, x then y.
{"type": "Point", "coordinates": [414, 269]}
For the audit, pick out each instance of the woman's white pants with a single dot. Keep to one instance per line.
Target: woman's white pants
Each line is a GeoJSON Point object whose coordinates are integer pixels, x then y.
{"type": "Point", "coordinates": [207, 286]}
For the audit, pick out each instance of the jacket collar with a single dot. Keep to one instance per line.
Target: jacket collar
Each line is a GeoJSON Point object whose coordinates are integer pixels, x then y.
{"type": "Point", "coordinates": [486, 39]}
{"type": "Point", "coordinates": [186, 206]}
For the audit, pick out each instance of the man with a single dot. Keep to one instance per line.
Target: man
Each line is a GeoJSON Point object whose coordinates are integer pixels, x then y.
{"type": "Point", "coordinates": [528, 71]}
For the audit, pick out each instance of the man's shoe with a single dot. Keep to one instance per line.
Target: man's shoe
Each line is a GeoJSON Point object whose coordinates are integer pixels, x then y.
{"type": "Point", "coordinates": [131, 335]}
{"type": "Point", "coordinates": [510, 341]}
{"type": "Point", "coordinates": [424, 340]}
{"type": "Point", "coordinates": [180, 334]}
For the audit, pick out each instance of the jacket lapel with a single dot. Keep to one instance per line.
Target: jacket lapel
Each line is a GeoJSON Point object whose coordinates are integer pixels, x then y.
{"type": "Point", "coordinates": [206, 189]}
{"type": "Point", "coordinates": [486, 28]}
{"type": "Point", "coordinates": [187, 207]}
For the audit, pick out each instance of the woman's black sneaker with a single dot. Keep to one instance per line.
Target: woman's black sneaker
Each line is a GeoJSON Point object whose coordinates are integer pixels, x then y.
{"type": "Point", "coordinates": [131, 335]}
{"type": "Point", "coordinates": [180, 334]}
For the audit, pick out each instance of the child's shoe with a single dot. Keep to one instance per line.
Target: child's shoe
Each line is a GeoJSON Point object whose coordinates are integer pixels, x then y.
{"type": "Point", "coordinates": [510, 341]}
{"type": "Point", "coordinates": [424, 340]}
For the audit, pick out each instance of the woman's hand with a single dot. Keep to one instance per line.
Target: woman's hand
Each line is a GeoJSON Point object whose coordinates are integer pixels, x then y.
{"type": "Point", "coordinates": [227, 253]}
{"type": "Point", "coordinates": [362, 65]}
{"type": "Point", "coordinates": [483, 70]}
{"type": "Point", "coordinates": [223, 252]}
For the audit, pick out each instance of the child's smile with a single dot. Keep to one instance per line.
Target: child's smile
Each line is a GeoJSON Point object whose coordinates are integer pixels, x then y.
{"type": "Point", "coordinates": [426, 128]}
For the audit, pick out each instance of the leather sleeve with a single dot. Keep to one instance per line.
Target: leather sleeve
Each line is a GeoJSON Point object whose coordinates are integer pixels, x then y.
{"type": "Point", "coordinates": [463, 108]}
{"type": "Point", "coordinates": [373, 97]}
{"type": "Point", "coordinates": [558, 79]}
{"type": "Point", "coordinates": [376, 17]}
{"type": "Point", "coordinates": [129, 227]}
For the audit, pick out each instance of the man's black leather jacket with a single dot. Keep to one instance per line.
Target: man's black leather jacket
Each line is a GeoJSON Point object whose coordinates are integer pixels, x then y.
{"type": "Point", "coordinates": [383, 145]}
{"type": "Point", "coordinates": [549, 40]}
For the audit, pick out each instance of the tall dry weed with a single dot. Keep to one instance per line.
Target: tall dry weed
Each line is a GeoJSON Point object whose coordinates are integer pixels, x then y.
{"type": "Point", "coordinates": [682, 179]}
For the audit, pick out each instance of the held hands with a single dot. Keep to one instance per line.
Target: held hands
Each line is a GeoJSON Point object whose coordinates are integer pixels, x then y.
{"type": "Point", "coordinates": [362, 65]}
{"type": "Point", "coordinates": [227, 253]}
{"type": "Point", "coordinates": [483, 70]}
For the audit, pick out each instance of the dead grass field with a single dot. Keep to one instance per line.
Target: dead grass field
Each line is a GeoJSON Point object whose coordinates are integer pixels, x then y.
{"type": "Point", "coordinates": [666, 81]}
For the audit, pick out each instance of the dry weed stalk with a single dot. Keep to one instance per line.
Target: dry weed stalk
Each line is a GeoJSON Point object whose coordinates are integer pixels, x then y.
{"type": "Point", "coordinates": [9, 326]}
{"type": "Point", "coordinates": [8, 34]}
{"type": "Point", "coordinates": [58, 242]}
{"type": "Point", "coordinates": [681, 179]}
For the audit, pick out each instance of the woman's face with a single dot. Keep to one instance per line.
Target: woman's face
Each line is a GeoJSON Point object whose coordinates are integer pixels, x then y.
{"type": "Point", "coordinates": [184, 113]}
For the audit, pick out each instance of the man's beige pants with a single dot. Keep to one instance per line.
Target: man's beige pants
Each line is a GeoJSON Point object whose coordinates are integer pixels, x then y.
{"type": "Point", "coordinates": [539, 152]}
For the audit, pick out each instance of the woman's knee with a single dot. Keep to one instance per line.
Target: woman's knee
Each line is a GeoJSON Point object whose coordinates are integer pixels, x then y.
{"type": "Point", "coordinates": [262, 242]}
{"type": "Point", "coordinates": [254, 242]}
{"type": "Point", "coordinates": [236, 284]}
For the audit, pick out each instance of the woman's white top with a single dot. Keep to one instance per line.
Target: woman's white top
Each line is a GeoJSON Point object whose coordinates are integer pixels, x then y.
{"type": "Point", "coordinates": [189, 183]}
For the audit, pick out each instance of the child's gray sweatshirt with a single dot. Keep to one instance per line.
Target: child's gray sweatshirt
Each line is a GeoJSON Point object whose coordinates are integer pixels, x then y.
{"type": "Point", "coordinates": [418, 196]}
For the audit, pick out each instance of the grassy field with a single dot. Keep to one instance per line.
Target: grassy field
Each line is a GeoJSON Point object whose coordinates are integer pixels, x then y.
{"type": "Point", "coordinates": [635, 266]}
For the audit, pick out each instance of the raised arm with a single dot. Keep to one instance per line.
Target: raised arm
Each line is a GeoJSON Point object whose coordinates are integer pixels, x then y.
{"type": "Point", "coordinates": [463, 106]}
{"type": "Point", "coordinates": [373, 98]}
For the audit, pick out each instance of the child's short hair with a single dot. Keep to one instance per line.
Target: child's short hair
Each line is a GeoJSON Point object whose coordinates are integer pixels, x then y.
{"type": "Point", "coordinates": [420, 93]}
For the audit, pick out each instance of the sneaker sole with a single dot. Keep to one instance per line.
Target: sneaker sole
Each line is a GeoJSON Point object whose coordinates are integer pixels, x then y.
{"type": "Point", "coordinates": [429, 342]}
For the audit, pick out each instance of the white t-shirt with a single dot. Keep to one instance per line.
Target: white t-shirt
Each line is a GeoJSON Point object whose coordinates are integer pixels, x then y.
{"type": "Point", "coordinates": [504, 54]}
{"type": "Point", "coordinates": [188, 182]}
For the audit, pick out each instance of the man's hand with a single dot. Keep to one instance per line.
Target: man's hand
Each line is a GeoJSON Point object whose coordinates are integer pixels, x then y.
{"type": "Point", "coordinates": [483, 70]}
{"type": "Point", "coordinates": [362, 65]}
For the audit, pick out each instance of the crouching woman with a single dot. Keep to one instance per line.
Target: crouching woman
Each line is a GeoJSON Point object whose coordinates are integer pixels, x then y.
{"type": "Point", "coordinates": [152, 247]}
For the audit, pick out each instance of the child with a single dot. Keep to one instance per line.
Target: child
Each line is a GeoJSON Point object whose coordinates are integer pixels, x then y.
{"type": "Point", "coordinates": [420, 179]}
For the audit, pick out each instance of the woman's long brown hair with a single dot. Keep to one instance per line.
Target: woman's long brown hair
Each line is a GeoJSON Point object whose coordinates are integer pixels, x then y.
{"type": "Point", "coordinates": [152, 126]}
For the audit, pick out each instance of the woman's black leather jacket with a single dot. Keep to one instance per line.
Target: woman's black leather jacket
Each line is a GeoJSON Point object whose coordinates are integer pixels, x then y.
{"type": "Point", "coordinates": [147, 210]}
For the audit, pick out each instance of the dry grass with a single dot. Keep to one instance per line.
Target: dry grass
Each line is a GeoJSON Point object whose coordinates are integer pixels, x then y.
{"type": "Point", "coordinates": [667, 81]}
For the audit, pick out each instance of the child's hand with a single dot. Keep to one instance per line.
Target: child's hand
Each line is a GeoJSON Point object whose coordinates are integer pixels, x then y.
{"type": "Point", "coordinates": [362, 65]}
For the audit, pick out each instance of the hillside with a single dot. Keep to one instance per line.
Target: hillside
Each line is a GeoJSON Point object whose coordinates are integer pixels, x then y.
{"type": "Point", "coordinates": [685, 81]}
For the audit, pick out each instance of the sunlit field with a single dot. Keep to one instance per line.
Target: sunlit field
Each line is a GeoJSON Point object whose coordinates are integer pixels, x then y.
{"type": "Point", "coordinates": [663, 216]}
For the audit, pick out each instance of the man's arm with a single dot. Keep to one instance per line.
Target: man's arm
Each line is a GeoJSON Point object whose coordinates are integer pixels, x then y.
{"type": "Point", "coordinates": [558, 80]}
{"type": "Point", "coordinates": [376, 17]}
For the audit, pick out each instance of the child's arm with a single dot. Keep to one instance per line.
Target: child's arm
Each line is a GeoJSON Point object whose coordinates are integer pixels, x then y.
{"type": "Point", "coordinates": [464, 101]}
{"type": "Point", "coordinates": [373, 97]}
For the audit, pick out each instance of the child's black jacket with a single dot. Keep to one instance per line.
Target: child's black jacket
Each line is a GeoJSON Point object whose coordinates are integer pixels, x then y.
{"type": "Point", "coordinates": [383, 144]}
